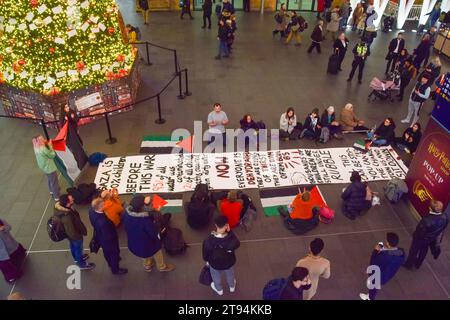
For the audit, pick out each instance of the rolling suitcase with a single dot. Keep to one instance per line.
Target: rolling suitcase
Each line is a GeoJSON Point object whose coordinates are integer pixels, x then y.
{"type": "Point", "coordinates": [333, 64]}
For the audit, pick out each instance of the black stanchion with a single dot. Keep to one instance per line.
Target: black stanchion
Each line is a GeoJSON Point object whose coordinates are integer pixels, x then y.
{"type": "Point", "coordinates": [111, 139]}
{"type": "Point", "coordinates": [186, 92]}
{"type": "Point", "coordinates": [44, 127]}
{"type": "Point", "coordinates": [175, 58]}
{"type": "Point", "coordinates": [181, 95]}
{"type": "Point", "coordinates": [160, 120]}
{"type": "Point", "coordinates": [148, 54]}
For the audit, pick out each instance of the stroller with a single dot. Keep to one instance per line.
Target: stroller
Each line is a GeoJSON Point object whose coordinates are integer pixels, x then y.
{"type": "Point", "coordinates": [383, 89]}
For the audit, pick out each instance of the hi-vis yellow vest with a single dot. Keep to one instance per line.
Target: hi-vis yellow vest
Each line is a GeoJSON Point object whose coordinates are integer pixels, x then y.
{"type": "Point", "coordinates": [361, 50]}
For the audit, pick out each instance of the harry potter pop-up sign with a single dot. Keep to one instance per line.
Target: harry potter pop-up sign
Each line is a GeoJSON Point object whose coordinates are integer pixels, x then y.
{"type": "Point", "coordinates": [429, 174]}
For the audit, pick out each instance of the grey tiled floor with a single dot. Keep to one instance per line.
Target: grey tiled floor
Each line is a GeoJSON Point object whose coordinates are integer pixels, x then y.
{"type": "Point", "coordinates": [263, 78]}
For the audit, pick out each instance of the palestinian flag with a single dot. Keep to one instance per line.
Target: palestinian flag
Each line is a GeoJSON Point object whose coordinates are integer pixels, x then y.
{"type": "Point", "coordinates": [71, 157]}
{"type": "Point", "coordinates": [174, 202]}
{"type": "Point", "coordinates": [158, 145]}
{"type": "Point", "coordinates": [271, 199]}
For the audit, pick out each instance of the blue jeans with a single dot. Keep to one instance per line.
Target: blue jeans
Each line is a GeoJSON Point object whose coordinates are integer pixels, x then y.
{"type": "Point", "coordinates": [343, 24]}
{"type": "Point", "coordinates": [380, 142]}
{"type": "Point", "coordinates": [216, 276]}
{"type": "Point", "coordinates": [53, 184]}
{"type": "Point", "coordinates": [76, 249]}
{"type": "Point", "coordinates": [223, 48]}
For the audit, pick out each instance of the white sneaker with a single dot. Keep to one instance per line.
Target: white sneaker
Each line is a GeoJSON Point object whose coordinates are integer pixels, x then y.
{"type": "Point", "coordinates": [217, 291]}
{"type": "Point", "coordinates": [364, 296]}
{"type": "Point", "coordinates": [233, 288]}
{"type": "Point", "coordinates": [404, 121]}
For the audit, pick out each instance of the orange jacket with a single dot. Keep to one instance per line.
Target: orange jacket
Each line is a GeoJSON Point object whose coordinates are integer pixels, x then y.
{"type": "Point", "coordinates": [303, 209]}
{"type": "Point", "coordinates": [113, 209]}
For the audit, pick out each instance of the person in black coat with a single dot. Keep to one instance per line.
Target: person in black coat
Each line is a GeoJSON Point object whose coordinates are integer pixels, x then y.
{"type": "Point", "coordinates": [297, 282]}
{"type": "Point", "coordinates": [316, 37]}
{"type": "Point", "coordinates": [199, 211]}
{"type": "Point", "coordinates": [410, 138]}
{"type": "Point", "coordinates": [340, 47]}
{"type": "Point", "coordinates": [354, 197]}
{"type": "Point", "coordinates": [407, 72]}
{"type": "Point", "coordinates": [433, 69]}
{"type": "Point", "coordinates": [247, 5]}
{"type": "Point", "coordinates": [228, 6]}
{"type": "Point", "coordinates": [207, 11]}
{"type": "Point", "coordinates": [328, 120]}
{"type": "Point", "coordinates": [186, 9]}
{"type": "Point", "coordinates": [426, 235]}
{"type": "Point", "coordinates": [384, 134]}
{"type": "Point", "coordinates": [247, 123]}
{"type": "Point", "coordinates": [312, 126]}
{"type": "Point", "coordinates": [422, 51]}
{"type": "Point", "coordinates": [106, 236]}
{"type": "Point", "coordinates": [395, 47]}
{"type": "Point", "coordinates": [218, 252]}
{"type": "Point", "coordinates": [401, 59]}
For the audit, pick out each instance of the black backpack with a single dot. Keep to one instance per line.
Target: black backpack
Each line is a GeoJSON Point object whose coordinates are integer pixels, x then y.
{"type": "Point", "coordinates": [198, 213]}
{"type": "Point", "coordinates": [173, 241]}
{"type": "Point", "coordinates": [55, 229]}
{"type": "Point", "coordinates": [222, 258]}
{"type": "Point", "coordinates": [303, 23]}
{"type": "Point", "coordinates": [201, 192]}
{"type": "Point", "coordinates": [278, 18]}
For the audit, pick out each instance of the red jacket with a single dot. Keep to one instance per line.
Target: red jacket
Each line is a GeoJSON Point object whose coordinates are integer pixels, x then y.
{"type": "Point", "coordinates": [231, 210]}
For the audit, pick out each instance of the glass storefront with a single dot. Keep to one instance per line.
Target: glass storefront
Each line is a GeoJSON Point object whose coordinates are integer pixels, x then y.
{"type": "Point", "coordinates": [298, 5]}
{"type": "Point", "coordinates": [238, 4]}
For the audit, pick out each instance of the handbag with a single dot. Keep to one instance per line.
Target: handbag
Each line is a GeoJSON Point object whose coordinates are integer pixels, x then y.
{"type": "Point", "coordinates": [205, 277]}
{"type": "Point", "coordinates": [94, 246]}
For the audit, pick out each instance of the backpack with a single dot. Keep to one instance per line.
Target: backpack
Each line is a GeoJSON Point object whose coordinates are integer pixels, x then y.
{"type": "Point", "coordinates": [198, 213]}
{"type": "Point", "coordinates": [222, 257]}
{"type": "Point", "coordinates": [394, 190]}
{"type": "Point", "coordinates": [328, 17]}
{"type": "Point", "coordinates": [55, 229]}
{"type": "Point", "coordinates": [273, 289]}
{"type": "Point", "coordinates": [326, 214]}
{"type": "Point", "coordinates": [325, 135]}
{"type": "Point", "coordinates": [96, 158]}
{"type": "Point", "coordinates": [261, 125]}
{"type": "Point", "coordinates": [278, 18]}
{"type": "Point", "coordinates": [173, 241]}
{"type": "Point", "coordinates": [303, 24]}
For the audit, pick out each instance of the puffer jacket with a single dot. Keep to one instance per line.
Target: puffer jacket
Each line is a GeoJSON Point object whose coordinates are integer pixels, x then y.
{"type": "Point", "coordinates": [143, 235]}
{"type": "Point", "coordinates": [354, 198]}
{"type": "Point", "coordinates": [389, 261]}
{"type": "Point", "coordinates": [70, 218]}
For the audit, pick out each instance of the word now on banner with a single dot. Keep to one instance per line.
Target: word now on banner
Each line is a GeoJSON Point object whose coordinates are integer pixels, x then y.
{"type": "Point", "coordinates": [245, 170]}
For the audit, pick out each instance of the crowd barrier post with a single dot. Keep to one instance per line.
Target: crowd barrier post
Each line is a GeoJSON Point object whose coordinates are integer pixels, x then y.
{"type": "Point", "coordinates": [180, 85]}
{"type": "Point", "coordinates": [186, 92]}
{"type": "Point", "coordinates": [111, 139]}
{"type": "Point", "coordinates": [160, 120]}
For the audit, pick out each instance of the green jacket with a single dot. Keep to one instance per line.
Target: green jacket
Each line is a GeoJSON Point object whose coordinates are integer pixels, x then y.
{"type": "Point", "coordinates": [45, 159]}
{"type": "Point", "coordinates": [70, 218]}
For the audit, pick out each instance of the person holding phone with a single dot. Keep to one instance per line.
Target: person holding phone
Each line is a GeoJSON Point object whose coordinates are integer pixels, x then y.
{"type": "Point", "coordinates": [297, 282]}
{"type": "Point", "coordinates": [45, 157]}
{"type": "Point", "coordinates": [12, 254]}
{"type": "Point", "coordinates": [388, 258]}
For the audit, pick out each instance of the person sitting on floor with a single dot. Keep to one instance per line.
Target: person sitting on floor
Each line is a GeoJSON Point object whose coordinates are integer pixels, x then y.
{"type": "Point", "coordinates": [354, 197]}
{"type": "Point", "coordinates": [410, 139]}
{"type": "Point", "coordinates": [303, 213]}
{"type": "Point", "coordinates": [385, 133]}
{"type": "Point", "coordinates": [199, 211]}
{"type": "Point", "coordinates": [349, 121]}
{"type": "Point", "coordinates": [113, 206]}
{"type": "Point", "coordinates": [328, 122]}
{"type": "Point", "coordinates": [231, 208]}
{"type": "Point", "coordinates": [312, 127]}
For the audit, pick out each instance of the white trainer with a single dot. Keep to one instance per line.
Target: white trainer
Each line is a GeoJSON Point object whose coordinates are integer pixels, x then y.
{"type": "Point", "coordinates": [364, 296]}
{"type": "Point", "coordinates": [233, 288]}
{"type": "Point", "coordinates": [217, 291]}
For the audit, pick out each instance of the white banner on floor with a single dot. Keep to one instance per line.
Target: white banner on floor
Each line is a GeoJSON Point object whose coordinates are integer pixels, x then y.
{"type": "Point", "coordinates": [245, 170]}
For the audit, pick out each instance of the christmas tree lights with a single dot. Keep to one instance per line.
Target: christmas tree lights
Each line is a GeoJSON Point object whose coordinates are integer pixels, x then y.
{"type": "Point", "coordinates": [53, 46]}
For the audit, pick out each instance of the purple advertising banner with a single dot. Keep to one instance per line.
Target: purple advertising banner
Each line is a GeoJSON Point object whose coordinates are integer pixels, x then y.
{"type": "Point", "coordinates": [429, 173]}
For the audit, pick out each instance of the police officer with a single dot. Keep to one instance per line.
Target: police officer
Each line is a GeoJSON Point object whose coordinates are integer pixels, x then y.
{"type": "Point", "coordinates": [361, 51]}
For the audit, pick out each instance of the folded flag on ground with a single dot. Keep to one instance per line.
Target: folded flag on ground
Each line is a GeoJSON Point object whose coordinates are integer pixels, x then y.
{"type": "Point", "coordinates": [158, 144]}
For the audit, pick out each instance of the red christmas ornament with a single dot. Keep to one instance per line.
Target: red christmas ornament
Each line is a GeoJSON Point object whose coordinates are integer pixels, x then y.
{"type": "Point", "coordinates": [120, 58]}
{"type": "Point", "coordinates": [80, 66]}
{"type": "Point", "coordinates": [29, 43]}
{"type": "Point", "coordinates": [21, 62]}
{"type": "Point", "coordinates": [52, 50]}
{"type": "Point", "coordinates": [110, 75]}
{"type": "Point", "coordinates": [123, 73]}
{"type": "Point", "coordinates": [34, 3]}
{"type": "Point", "coordinates": [111, 30]}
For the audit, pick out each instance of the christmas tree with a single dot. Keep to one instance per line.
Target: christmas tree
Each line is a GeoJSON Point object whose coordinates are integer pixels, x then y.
{"type": "Point", "coordinates": [52, 46]}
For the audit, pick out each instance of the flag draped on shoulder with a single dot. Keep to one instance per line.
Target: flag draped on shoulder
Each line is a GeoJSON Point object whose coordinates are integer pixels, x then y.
{"type": "Point", "coordinates": [71, 157]}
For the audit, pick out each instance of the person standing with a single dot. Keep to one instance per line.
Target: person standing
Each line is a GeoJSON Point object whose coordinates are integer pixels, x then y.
{"type": "Point", "coordinates": [219, 254]}
{"type": "Point", "coordinates": [282, 19]}
{"type": "Point", "coordinates": [426, 235]}
{"type": "Point", "coordinates": [297, 282]}
{"type": "Point", "coordinates": [418, 96]}
{"type": "Point", "coordinates": [340, 47]}
{"type": "Point", "coordinates": [247, 5]}
{"type": "Point", "coordinates": [328, 4]}
{"type": "Point", "coordinates": [407, 72]}
{"type": "Point", "coordinates": [186, 9]}
{"type": "Point", "coordinates": [320, 8]}
{"type": "Point", "coordinates": [294, 29]}
{"type": "Point", "coordinates": [217, 120]}
{"type": "Point", "coordinates": [361, 51]}
{"type": "Point", "coordinates": [207, 11]}
{"type": "Point", "coordinates": [106, 236]}
{"type": "Point", "coordinates": [144, 240]}
{"type": "Point", "coordinates": [333, 25]}
{"type": "Point", "coordinates": [144, 7]}
{"type": "Point", "coordinates": [12, 253]}
{"type": "Point", "coordinates": [74, 229]}
{"type": "Point", "coordinates": [345, 14]}
{"type": "Point", "coordinates": [222, 36]}
{"type": "Point", "coordinates": [388, 258]}
{"type": "Point", "coordinates": [395, 47]}
{"type": "Point", "coordinates": [228, 6]}
{"type": "Point", "coordinates": [45, 157]}
{"type": "Point", "coordinates": [316, 37]}
{"type": "Point", "coordinates": [357, 16]}
{"type": "Point", "coordinates": [317, 266]}
{"type": "Point", "coordinates": [422, 51]}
